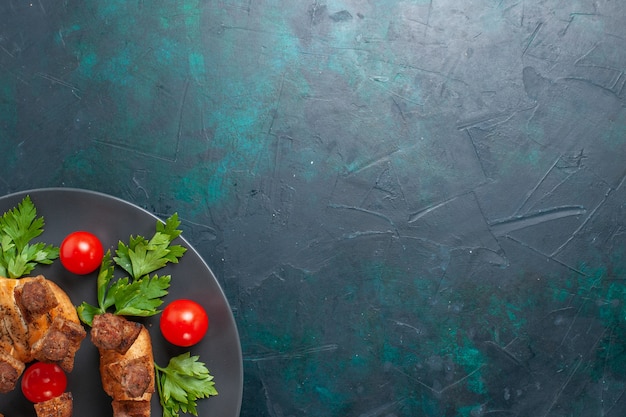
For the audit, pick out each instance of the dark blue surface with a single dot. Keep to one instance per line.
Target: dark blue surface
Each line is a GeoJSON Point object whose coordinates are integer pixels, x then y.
{"type": "Point", "coordinates": [415, 208]}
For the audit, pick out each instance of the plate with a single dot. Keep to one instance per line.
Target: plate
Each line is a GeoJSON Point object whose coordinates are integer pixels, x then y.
{"type": "Point", "coordinates": [111, 219]}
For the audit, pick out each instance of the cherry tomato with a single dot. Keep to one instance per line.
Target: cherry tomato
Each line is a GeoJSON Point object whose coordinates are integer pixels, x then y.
{"type": "Point", "coordinates": [81, 252]}
{"type": "Point", "coordinates": [184, 322]}
{"type": "Point", "coordinates": [43, 381]}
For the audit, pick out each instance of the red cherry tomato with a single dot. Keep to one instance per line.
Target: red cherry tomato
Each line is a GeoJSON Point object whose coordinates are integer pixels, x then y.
{"type": "Point", "coordinates": [43, 381]}
{"type": "Point", "coordinates": [81, 252]}
{"type": "Point", "coordinates": [184, 322]}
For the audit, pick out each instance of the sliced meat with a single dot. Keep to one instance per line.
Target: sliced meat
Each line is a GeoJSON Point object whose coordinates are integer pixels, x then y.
{"type": "Point", "coordinates": [126, 364]}
{"type": "Point", "coordinates": [8, 377]}
{"type": "Point", "coordinates": [13, 329]}
{"type": "Point", "coordinates": [131, 408]}
{"type": "Point", "coordinates": [131, 378]}
{"type": "Point", "coordinates": [136, 378]}
{"type": "Point", "coordinates": [29, 308]}
{"type": "Point", "coordinates": [34, 298]}
{"type": "Point", "coordinates": [60, 343]}
{"type": "Point", "coordinates": [112, 332]}
{"type": "Point", "coordinates": [53, 347]}
{"type": "Point", "coordinates": [56, 407]}
{"type": "Point", "coordinates": [10, 371]}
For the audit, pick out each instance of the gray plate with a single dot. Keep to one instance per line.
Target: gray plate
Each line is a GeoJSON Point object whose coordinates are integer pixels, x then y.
{"type": "Point", "coordinates": [111, 219]}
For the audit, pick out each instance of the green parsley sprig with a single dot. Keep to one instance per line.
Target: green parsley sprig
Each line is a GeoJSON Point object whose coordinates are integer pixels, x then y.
{"type": "Point", "coordinates": [18, 227]}
{"type": "Point", "coordinates": [138, 294]}
{"type": "Point", "coordinates": [141, 256]}
{"type": "Point", "coordinates": [181, 383]}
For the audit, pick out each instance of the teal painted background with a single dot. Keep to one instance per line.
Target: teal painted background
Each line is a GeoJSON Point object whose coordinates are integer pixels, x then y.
{"type": "Point", "coordinates": [415, 208]}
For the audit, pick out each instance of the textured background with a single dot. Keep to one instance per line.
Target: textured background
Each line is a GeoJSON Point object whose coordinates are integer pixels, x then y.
{"type": "Point", "coordinates": [415, 208]}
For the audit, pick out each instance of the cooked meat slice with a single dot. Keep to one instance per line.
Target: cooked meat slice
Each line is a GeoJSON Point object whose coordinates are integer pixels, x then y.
{"type": "Point", "coordinates": [8, 377]}
{"type": "Point", "coordinates": [136, 378]}
{"type": "Point", "coordinates": [131, 408]}
{"type": "Point", "coordinates": [56, 407]}
{"type": "Point", "coordinates": [56, 332]}
{"type": "Point", "coordinates": [13, 329]}
{"type": "Point", "coordinates": [21, 325]}
{"type": "Point", "coordinates": [10, 371]}
{"type": "Point", "coordinates": [60, 343]}
{"type": "Point", "coordinates": [35, 297]}
{"type": "Point", "coordinates": [113, 332]}
{"type": "Point", "coordinates": [129, 376]}
{"type": "Point", "coordinates": [132, 377]}
{"type": "Point", "coordinates": [53, 347]}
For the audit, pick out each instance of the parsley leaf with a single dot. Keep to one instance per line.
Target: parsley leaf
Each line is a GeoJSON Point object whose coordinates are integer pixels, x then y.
{"type": "Point", "coordinates": [141, 256]}
{"type": "Point", "coordinates": [138, 294]}
{"type": "Point", "coordinates": [140, 298]}
{"type": "Point", "coordinates": [18, 227]}
{"type": "Point", "coordinates": [181, 383]}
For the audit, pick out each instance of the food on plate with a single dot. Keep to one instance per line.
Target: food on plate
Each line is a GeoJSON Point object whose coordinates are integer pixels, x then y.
{"type": "Point", "coordinates": [39, 322]}
{"type": "Point", "coordinates": [60, 406]}
{"type": "Point", "coordinates": [126, 363]}
{"type": "Point", "coordinates": [183, 322]}
{"type": "Point", "coordinates": [81, 252]}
